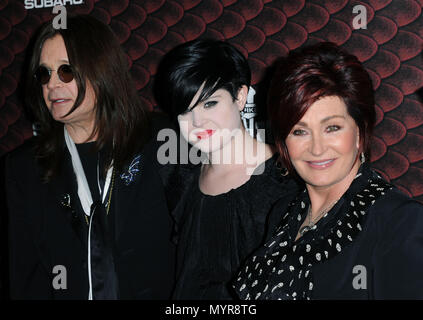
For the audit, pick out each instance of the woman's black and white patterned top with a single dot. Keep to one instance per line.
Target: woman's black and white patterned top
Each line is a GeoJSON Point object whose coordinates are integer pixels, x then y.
{"type": "Point", "coordinates": [284, 268]}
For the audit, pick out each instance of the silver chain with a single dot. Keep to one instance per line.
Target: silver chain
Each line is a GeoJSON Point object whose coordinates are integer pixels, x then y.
{"type": "Point", "coordinates": [312, 223]}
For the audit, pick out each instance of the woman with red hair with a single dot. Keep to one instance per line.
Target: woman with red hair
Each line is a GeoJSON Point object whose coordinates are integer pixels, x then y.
{"type": "Point", "coordinates": [348, 234]}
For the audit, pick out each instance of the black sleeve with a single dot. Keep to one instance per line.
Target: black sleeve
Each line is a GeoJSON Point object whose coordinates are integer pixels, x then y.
{"type": "Point", "coordinates": [28, 279]}
{"type": "Point", "coordinates": [399, 255]}
{"type": "Point", "coordinates": [4, 287]}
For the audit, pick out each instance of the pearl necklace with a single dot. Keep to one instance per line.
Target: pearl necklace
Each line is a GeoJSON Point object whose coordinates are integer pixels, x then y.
{"type": "Point", "coordinates": [312, 223]}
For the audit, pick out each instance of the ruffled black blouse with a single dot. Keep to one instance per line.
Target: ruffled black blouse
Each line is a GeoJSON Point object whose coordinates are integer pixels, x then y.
{"type": "Point", "coordinates": [216, 233]}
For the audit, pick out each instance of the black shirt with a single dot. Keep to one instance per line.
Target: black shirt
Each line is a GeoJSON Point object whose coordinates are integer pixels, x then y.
{"type": "Point", "coordinates": [216, 233]}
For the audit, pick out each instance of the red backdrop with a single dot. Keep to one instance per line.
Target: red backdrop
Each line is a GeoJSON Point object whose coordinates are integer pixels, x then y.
{"type": "Point", "coordinates": [390, 48]}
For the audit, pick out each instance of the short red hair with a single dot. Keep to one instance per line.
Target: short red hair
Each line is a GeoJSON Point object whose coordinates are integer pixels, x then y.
{"type": "Point", "coordinates": [312, 73]}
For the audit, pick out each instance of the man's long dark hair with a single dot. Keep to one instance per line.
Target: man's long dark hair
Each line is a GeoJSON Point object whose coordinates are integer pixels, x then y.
{"type": "Point", "coordinates": [121, 123]}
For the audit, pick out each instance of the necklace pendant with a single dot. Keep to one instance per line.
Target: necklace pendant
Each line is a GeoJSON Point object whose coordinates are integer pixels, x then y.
{"type": "Point", "coordinates": [304, 229]}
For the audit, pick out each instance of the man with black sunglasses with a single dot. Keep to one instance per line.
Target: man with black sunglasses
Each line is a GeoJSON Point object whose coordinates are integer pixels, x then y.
{"type": "Point", "coordinates": [64, 72]}
{"type": "Point", "coordinates": [88, 218]}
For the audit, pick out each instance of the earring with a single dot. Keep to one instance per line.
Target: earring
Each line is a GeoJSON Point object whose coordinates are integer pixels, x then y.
{"type": "Point", "coordinates": [242, 114]}
{"type": "Point", "coordinates": [284, 172]}
{"type": "Point", "coordinates": [362, 158]}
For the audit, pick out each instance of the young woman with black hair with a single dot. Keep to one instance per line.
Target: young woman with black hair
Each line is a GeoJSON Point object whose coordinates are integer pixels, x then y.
{"type": "Point", "coordinates": [221, 216]}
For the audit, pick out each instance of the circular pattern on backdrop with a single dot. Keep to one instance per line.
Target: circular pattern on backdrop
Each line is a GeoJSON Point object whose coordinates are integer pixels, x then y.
{"type": "Point", "coordinates": [390, 48]}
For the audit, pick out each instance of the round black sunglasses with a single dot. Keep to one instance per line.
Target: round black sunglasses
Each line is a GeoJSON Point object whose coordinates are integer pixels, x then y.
{"type": "Point", "coordinates": [65, 73]}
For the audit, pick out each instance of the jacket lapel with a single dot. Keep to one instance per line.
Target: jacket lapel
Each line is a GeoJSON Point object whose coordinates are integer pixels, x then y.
{"type": "Point", "coordinates": [65, 205]}
{"type": "Point", "coordinates": [64, 238]}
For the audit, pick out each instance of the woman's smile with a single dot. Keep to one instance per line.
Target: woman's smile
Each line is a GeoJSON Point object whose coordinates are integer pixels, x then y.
{"type": "Point", "coordinates": [321, 164]}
